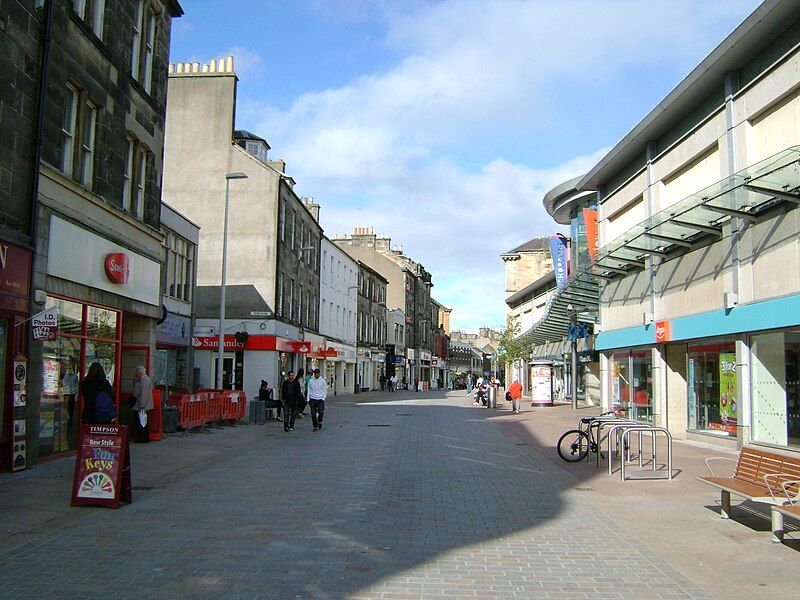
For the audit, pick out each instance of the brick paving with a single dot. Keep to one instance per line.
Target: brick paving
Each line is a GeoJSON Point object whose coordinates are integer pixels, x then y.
{"type": "Point", "coordinates": [420, 497]}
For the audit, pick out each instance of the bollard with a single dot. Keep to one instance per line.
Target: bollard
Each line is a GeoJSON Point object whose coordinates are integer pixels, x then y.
{"type": "Point", "coordinates": [492, 397]}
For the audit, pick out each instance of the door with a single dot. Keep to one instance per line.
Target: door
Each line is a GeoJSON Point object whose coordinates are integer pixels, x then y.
{"type": "Point", "coordinates": [228, 375]}
{"type": "Point", "coordinates": [4, 400]}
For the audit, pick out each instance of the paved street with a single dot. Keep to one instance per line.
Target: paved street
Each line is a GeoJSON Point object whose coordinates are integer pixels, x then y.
{"type": "Point", "coordinates": [422, 496]}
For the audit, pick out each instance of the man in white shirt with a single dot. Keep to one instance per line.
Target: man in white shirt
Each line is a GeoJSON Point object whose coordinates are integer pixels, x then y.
{"type": "Point", "coordinates": [317, 392]}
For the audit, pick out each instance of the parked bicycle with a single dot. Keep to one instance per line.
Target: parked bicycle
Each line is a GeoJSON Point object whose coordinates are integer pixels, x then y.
{"type": "Point", "coordinates": [576, 444]}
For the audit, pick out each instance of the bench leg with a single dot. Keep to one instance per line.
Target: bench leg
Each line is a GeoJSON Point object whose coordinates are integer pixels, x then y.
{"type": "Point", "coordinates": [725, 509]}
{"type": "Point", "coordinates": [777, 527]}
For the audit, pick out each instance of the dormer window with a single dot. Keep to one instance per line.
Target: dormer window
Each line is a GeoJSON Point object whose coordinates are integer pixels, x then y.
{"type": "Point", "coordinates": [257, 149]}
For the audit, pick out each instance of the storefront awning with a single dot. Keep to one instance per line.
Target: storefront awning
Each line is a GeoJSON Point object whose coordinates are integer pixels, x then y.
{"type": "Point", "coordinates": [676, 229]}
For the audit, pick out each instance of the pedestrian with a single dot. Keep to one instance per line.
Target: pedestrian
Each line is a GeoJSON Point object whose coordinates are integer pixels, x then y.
{"type": "Point", "coordinates": [69, 390]}
{"type": "Point", "coordinates": [265, 394]}
{"type": "Point", "coordinates": [382, 381]}
{"type": "Point", "coordinates": [469, 384]}
{"type": "Point", "coordinates": [405, 383]}
{"type": "Point", "coordinates": [142, 401]}
{"type": "Point", "coordinates": [291, 395]}
{"type": "Point", "coordinates": [317, 392]}
{"type": "Point", "coordinates": [393, 383]}
{"type": "Point", "coordinates": [416, 383]}
{"type": "Point", "coordinates": [515, 392]}
{"type": "Point", "coordinates": [300, 406]}
{"type": "Point", "coordinates": [99, 404]}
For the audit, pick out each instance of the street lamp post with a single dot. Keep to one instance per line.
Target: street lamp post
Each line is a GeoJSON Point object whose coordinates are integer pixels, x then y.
{"type": "Point", "coordinates": [221, 349]}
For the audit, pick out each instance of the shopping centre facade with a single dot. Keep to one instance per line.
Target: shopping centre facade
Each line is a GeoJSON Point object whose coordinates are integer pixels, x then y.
{"type": "Point", "coordinates": [698, 247]}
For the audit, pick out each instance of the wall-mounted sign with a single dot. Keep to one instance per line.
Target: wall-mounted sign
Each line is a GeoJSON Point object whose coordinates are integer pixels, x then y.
{"type": "Point", "coordinates": [117, 268]}
{"type": "Point", "coordinates": [44, 325]}
{"type": "Point", "coordinates": [663, 332]}
{"type": "Point", "coordinates": [15, 267]}
{"type": "Point", "coordinates": [174, 329]}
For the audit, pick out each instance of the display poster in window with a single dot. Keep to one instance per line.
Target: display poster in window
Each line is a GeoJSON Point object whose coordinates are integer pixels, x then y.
{"type": "Point", "coordinates": [691, 395]}
{"type": "Point", "coordinates": [728, 392]}
{"type": "Point", "coordinates": [541, 386]}
{"type": "Point", "coordinates": [50, 372]}
{"type": "Point", "coordinates": [102, 467]}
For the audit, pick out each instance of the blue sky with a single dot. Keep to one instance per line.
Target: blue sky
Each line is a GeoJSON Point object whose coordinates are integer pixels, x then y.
{"type": "Point", "coordinates": [442, 124]}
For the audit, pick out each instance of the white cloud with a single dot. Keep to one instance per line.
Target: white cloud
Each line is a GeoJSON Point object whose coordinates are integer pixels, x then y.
{"type": "Point", "coordinates": [390, 148]}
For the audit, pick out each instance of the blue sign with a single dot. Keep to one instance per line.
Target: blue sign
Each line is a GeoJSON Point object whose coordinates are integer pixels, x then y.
{"type": "Point", "coordinates": [399, 360]}
{"type": "Point", "coordinates": [560, 253]}
{"type": "Point", "coordinates": [577, 331]}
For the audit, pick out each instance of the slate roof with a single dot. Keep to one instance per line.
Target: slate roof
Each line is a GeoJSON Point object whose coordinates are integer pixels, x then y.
{"type": "Point", "coordinates": [240, 300]}
{"type": "Point", "coordinates": [536, 244]}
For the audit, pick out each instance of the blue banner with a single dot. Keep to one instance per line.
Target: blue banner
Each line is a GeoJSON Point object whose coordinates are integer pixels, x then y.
{"type": "Point", "coordinates": [559, 250]}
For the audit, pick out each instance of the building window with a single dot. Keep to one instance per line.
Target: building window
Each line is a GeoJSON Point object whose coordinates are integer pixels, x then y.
{"type": "Point", "coordinates": [180, 267]}
{"type": "Point", "coordinates": [92, 13]}
{"type": "Point", "coordinates": [68, 131]}
{"type": "Point", "coordinates": [292, 230]}
{"type": "Point", "coordinates": [279, 296]}
{"type": "Point", "coordinates": [144, 33]}
{"type": "Point", "coordinates": [135, 178]}
{"type": "Point", "coordinates": [290, 312]}
{"type": "Point", "coordinates": [282, 219]}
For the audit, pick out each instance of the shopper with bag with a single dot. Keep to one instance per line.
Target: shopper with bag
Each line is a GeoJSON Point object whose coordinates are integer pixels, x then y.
{"type": "Point", "coordinates": [515, 393]}
{"type": "Point", "coordinates": [142, 401]}
{"type": "Point", "coordinates": [99, 405]}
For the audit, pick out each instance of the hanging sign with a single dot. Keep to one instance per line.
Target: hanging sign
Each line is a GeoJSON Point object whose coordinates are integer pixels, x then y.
{"type": "Point", "coordinates": [44, 325]}
{"type": "Point", "coordinates": [590, 223]}
{"type": "Point", "coordinates": [559, 251]}
{"type": "Point", "coordinates": [102, 467]}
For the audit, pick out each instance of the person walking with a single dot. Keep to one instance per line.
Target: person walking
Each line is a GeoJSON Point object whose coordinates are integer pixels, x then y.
{"type": "Point", "coordinates": [142, 401]}
{"type": "Point", "coordinates": [469, 384]}
{"type": "Point", "coordinates": [393, 383]}
{"type": "Point", "coordinates": [99, 405]}
{"type": "Point", "coordinates": [291, 395]}
{"type": "Point", "coordinates": [382, 381]}
{"type": "Point", "coordinates": [317, 392]}
{"type": "Point", "coordinates": [416, 383]}
{"type": "Point", "coordinates": [301, 403]}
{"type": "Point", "coordinates": [515, 391]}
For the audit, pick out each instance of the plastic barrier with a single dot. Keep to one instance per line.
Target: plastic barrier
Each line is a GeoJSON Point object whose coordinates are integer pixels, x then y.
{"type": "Point", "coordinates": [193, 411]}
{"type": "Point", "coordinates": [155, 420]}
{"type": "Point", "coordinates": [214, 406]}
{"type": "Point", "coordinates": [234, 405]}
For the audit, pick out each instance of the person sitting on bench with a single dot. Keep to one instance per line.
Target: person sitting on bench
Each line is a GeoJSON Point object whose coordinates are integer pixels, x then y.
{"type": "Point", "coordinates": [265, 395]}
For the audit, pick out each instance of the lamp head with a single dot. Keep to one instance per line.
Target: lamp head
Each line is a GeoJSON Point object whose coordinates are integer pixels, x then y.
{"type": "Point", "coordinates": [236, 175]}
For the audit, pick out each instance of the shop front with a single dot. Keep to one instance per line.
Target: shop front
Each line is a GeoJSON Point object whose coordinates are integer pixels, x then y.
{"type": "Point", "coordinates": [425, 369]}
{"type": "Point", "coordinates": [340, 367]}
{"type": "Point", "coordinates": [106, 298]}
{"type": "Point", "coordinates": [15, 272]}
{"type": "Point", "coordinates": [173, 364]}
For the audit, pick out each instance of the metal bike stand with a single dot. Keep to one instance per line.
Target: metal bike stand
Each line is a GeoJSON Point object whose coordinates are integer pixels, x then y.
{"type": "Point", "coordinates": [653, 431]}
{"type": "Point", "coordinates": [598, 424]}
{"type": "Point", "coordinates": [618, 431]}
{"type": "Point", "coordinates": [615, 426]}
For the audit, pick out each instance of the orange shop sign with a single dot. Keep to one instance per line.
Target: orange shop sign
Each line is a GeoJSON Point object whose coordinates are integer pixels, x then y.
{"type": "Point", "coordinates": [663, 331]}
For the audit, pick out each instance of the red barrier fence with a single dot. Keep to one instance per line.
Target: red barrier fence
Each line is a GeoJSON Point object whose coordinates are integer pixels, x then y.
{"type": "Point", "coordinates": [211, 406]}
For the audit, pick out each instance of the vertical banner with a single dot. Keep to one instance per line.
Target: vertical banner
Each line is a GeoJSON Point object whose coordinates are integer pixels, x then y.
{"type": "Point", "coordinates": [558, 249]}
{"type": "Point", "coordinates": [728, 392]}
{"type": "Point", "coordinates": [590, 223]}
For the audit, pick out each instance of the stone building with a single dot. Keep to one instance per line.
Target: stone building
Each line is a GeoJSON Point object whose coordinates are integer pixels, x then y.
{"type": "Point", "coordinates": [273, 250]}
{"type": "Point", "coordinates": [526, 263]}
{"type": "Point", "coordinates": [371, 327]}
{"type": "Point", "coordinates": [409, 289]}
{"type": "Point", "coordinates": [89, 81]}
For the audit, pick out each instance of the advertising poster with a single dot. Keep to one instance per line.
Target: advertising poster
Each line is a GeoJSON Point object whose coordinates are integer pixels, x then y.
{"type": "Point", "coordinates": [541, 386]}
{"type": "Point", "coordinates": [102, 466]}
{"type": "Point", "coordinates": [50, 370]}
{"type": "Point", "coordinates": [590, 223]}
{"type": "Point", "coordinates": [728, 392]}
{"type": "Point", "coordinates": [692, 396]}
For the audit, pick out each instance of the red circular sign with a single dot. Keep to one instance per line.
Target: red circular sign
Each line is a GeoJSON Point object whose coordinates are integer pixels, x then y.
{"type": "Point", "coordinates": [117, 267]}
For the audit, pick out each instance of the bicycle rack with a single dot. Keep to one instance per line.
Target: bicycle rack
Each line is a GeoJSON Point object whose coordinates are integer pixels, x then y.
{"type": "Point", "coordinates": [653, 431]}
{"type": "Point", "coordinates": [598, 424]}
{"type": "Point", "coordinates": [616, 426]}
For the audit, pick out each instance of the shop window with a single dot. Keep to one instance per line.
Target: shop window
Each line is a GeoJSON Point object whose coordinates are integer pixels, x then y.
{"type": "Point", "coordinates": [86, 334]}
{"type": "Point", "coordinates": [712, 388]}
{"type": "Point", "coordinates": [632, 383]}
{"type": "Point", "coordinates": [775, 381]}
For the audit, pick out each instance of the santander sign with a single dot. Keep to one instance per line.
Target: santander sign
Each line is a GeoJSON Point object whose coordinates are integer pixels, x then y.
{"type": "Point", "coordinates": [117, 267]}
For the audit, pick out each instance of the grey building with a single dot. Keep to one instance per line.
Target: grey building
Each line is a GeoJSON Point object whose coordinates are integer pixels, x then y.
{"type": "Point", "coordinates": [80, 176]}
{"type": "Point", "coordinates": [371, 335]}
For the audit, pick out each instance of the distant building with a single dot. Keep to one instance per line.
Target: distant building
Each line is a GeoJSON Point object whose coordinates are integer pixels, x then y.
{"type": "Point", "coordinates": [371, 327]}
{"type": "Point", "coordinates": [526, 263]}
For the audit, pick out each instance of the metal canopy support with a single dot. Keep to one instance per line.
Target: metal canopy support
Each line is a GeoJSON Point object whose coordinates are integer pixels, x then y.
{"type": "Point", "coordinates": [774, 193]}
{"type": "Point", "coordinates": [614, 269]}
{"type": "Point", "coordinates": [669, 240]}
{"type": "Point", "coordinates": [697, 227]}
{"type": "Point", "coordinates": [647, 250]}
{"type": "Point", "coordinates": [628, 261]}
{"type": "Point", "coordinates": [731, 212]}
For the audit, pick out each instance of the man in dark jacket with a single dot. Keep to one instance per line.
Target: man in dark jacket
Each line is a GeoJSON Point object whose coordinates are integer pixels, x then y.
{"type": "Point", "coordinates": [291, 395]}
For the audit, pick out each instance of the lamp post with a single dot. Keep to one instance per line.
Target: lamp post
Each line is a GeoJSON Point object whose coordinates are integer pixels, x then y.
{"type": "Point", "coordinates": [221, 349]}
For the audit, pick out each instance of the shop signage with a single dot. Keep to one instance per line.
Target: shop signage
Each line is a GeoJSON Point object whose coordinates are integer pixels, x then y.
{"type": "Point", "coordinates": [728, 392]}
{"type": "Point", "coordinates": [175, 329]}
{"type": "Point", "coordinates": [399, 360]}
{"type": "Point", "coordinates": [102, 467]}
{"type": "Point", "coordinates": [15, 267]}
{"type": "Point", "coordinates": [79, 255]}
{"type": "Point", "coordinates": [663, 332]}
{"type": "Point", "coordinates": [117, 268]}
{"type": "Point", "coordinates": [577, 331]}
{"type": "Point", "coordinates": [434, 361]}
{"type": "Point", "coordinates": [560, 253]}
{"type": "Point", "coordinates": [253, 342]}
{"type": "Point", "coordinates": [44, 325]}
{"type": "Point", "coordinates": [425, 355]}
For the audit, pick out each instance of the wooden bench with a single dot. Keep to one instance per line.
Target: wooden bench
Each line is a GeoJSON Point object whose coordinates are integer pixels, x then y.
{"type": "Point", "coordinates": [760, 476]}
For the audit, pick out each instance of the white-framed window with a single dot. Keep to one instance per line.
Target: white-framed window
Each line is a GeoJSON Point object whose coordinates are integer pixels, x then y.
{"type": "Point", "coordinates": [294, 223]}
{"type": "Point", "coordinates": [290, 306]}
{"type": "Point", "coordinates": [68, 131]}
{"type": "Point", "coordinates": [91, 12]}
{"type": "Point", "coordinates": [140, 182]}
{"type": "Point", "coordinates": [89, 123]}
{"type": "Point", "coordinates": [180, 267]}
{"type": "Point", "coordinates": [143, 48]}
{"type": "Point", "coordinates": [127, 176]}
{"type": "Point", "coordinates": [282, 218]}
{"type": "Point", "coordinates": [279, 296]}
{"type": "Point", "coordinates": [135, 178]}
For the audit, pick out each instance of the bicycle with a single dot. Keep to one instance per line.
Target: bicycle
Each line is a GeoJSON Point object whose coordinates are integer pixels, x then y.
{"type": "Point", "coordinates": [574, 445]}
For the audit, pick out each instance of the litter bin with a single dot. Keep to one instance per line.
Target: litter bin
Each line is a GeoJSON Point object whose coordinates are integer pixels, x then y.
{"type": "Point", "coordinates": [492, 400]}
{"type": "Point", "coordinates": [170, 416]}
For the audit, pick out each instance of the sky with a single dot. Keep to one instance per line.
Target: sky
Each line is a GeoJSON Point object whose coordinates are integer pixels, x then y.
{"type": "Point", "coordinates": [442, 124]}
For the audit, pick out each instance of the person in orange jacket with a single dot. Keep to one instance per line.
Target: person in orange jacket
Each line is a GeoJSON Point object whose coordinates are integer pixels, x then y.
{"type": "Point", "coordinates": [515, 391]}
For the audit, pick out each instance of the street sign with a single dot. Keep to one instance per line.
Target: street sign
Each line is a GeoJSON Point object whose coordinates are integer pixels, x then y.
{"type": "Point", "coordinates": [260, 313]}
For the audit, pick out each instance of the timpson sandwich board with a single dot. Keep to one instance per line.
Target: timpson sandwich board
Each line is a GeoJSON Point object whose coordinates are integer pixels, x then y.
{"type": "Point", "coordinates": [102, 467]}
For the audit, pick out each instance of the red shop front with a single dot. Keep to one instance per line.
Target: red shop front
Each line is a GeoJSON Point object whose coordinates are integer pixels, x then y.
{"type": "Point", "coordinates": [15, 272]}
